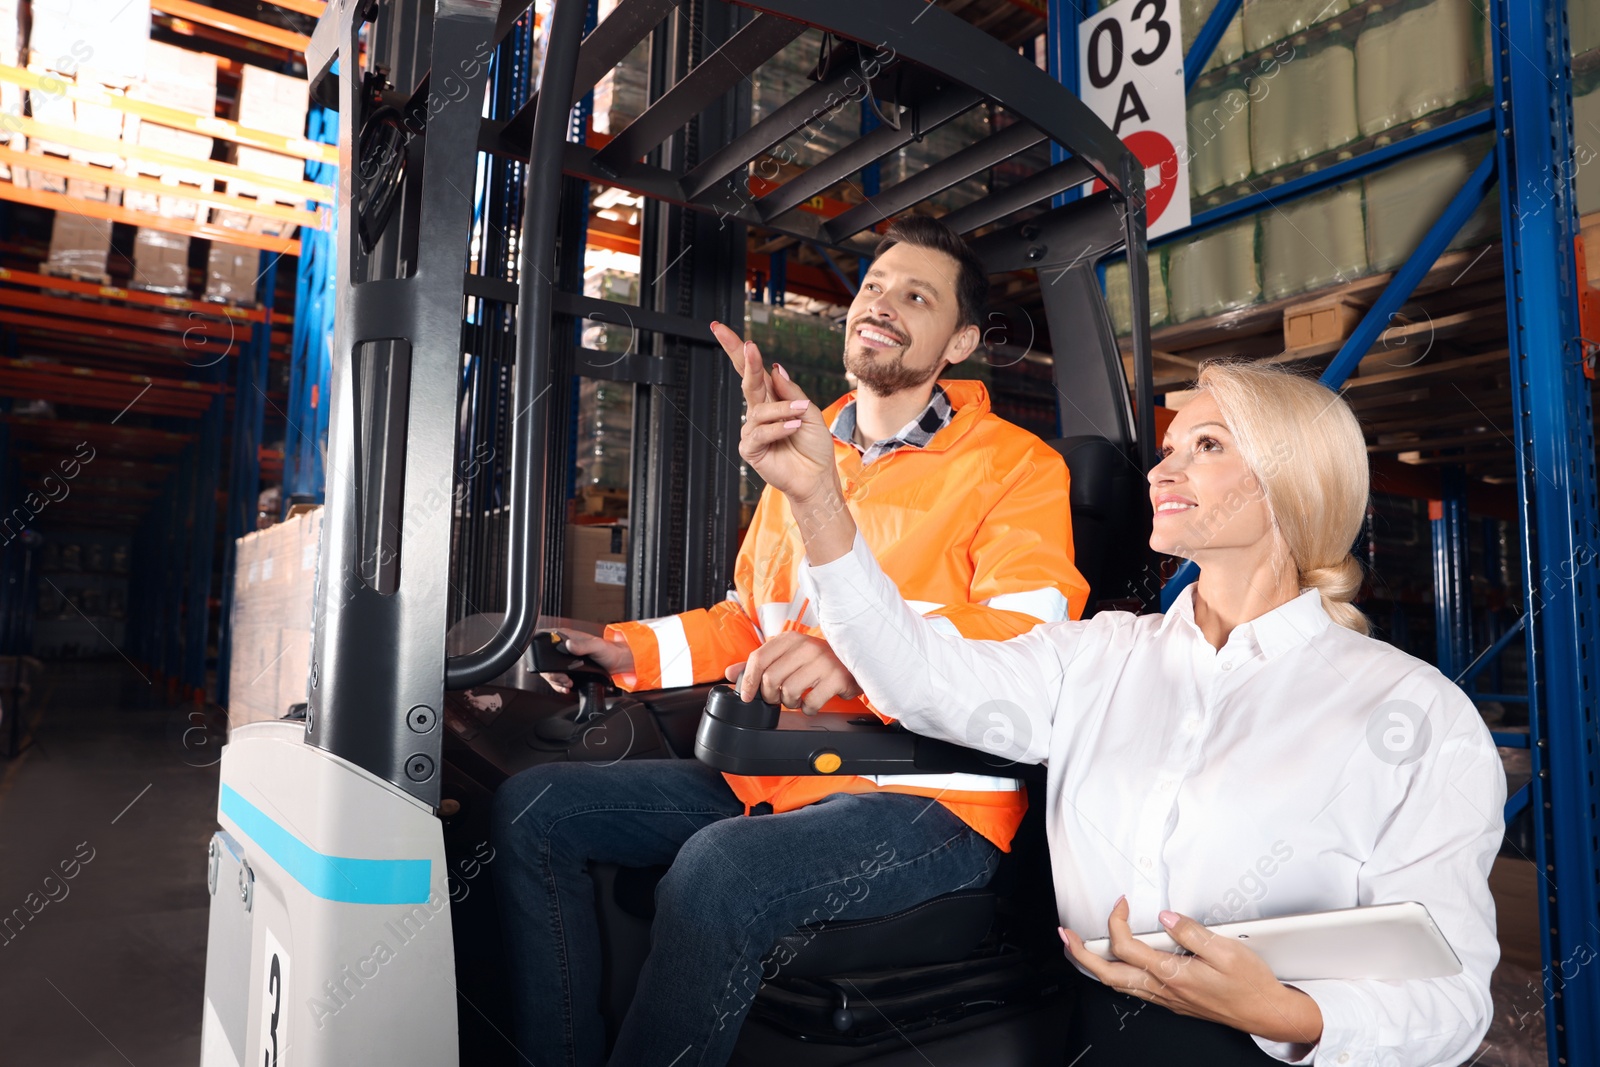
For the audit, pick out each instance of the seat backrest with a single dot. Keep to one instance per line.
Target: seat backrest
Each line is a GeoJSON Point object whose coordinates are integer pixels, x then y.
{"type": "Point", "coordinates": [1110, 524]}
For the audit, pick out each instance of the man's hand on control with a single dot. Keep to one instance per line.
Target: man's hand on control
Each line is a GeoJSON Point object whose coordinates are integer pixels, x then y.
{"type": "Point", "coordinates": [794, 670]}
{"type": "Point", "coordinates": [614, 655]}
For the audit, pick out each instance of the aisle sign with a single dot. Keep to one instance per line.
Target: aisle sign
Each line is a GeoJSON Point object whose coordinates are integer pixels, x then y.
{"type": "Point", "coordinates": [1130, 73]}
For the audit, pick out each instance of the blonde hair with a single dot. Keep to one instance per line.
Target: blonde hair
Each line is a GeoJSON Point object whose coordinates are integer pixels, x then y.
{"type": "Point", "coordinates": [1305, 447]}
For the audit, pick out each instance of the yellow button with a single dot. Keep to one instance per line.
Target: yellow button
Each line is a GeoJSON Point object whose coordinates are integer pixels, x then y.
{"type": "Point", "coordinates": [826, 762]}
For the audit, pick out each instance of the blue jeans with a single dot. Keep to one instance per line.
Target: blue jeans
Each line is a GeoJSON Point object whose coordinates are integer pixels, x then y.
{"type": "Point", "coordinates": [735, 886]}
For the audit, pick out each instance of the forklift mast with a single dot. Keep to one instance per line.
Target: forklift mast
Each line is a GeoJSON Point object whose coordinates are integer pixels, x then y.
{"type": "Point", "coordinates": [330, 842]}
{"type": "Point", "coordinates": [379, 669]}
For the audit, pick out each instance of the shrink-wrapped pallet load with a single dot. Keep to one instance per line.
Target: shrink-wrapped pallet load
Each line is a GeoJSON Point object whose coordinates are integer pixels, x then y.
{"type": "Point", "coordinates": [1219, 137]}
{"type": "Point", "coordinates": [161, 262]}
{"type": "Point", "coordinates": [1266, 21]}
{"type": "Point", "coordinates": [1303, 107]}
{"type": "Point", "coordinates": [1586, 147]}
{"type": "Point", "coordinates": [1583, 25]}
{"type": "Point", "coordinates": [1413, 59]}
{"type": "Point", "coordinates": [185, 80]}
{"type": "Point", "coordinates": [1404, 200]}
{"type": "Point", "coordinates": [1313, 242]}
{"type": "Point", "coordinates": [1119, 298]}
{"type": "Point", "coordinates": [1213, 272]}
{"type": "Point", "coordinates": [1194, 15]}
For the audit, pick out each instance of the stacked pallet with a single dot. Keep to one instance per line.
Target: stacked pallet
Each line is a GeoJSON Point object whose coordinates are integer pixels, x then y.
{"type": "Point", "coordinates": [77, 50]}
{"type": "Point", "coordinates": [1319, 81]}
{"type": "Point", "coordinates": [275, 103]}
{"type": "Point", "coordinates": [187, 81]}
{"type": "Point", "coordinates": [1366, 226]}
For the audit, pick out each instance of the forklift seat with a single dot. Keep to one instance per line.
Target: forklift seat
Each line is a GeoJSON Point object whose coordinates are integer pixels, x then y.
{"type": "Point", "coordinates": [948, 928]}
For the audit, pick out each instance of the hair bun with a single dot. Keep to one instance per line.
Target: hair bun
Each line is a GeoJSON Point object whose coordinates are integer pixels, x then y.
{"type": "Point", "coordinates": [1339, 585]}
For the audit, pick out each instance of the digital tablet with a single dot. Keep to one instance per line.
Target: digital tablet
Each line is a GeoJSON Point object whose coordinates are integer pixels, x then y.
{"type": "Point", "coordinates": [1390, 942]}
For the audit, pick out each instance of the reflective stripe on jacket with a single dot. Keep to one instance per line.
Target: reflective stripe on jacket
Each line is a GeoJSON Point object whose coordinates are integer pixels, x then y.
{"type": "Point", "coordinates": [976, 530]}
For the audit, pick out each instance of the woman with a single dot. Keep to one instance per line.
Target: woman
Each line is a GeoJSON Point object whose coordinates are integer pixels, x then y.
{"type": "Point", "coordinates": [1250, 753]}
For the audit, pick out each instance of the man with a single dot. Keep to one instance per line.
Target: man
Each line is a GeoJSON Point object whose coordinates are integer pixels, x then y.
{"type": "Point", "coordinates": [970, 516]}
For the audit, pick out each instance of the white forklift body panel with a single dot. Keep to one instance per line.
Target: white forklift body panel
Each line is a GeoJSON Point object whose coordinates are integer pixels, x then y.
{"type": "Point", "coordinates": [330, 938]}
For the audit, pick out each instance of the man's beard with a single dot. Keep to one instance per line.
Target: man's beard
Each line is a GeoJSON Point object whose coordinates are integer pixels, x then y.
{"type": "Point", "coordinates": [884, 375]}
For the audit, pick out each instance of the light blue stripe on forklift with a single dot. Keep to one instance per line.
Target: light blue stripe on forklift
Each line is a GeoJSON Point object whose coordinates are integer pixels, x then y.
{"type": "Point", "coordinates": [349, 881]}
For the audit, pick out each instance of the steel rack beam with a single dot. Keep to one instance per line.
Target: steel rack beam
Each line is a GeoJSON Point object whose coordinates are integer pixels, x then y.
{"type": "Point", "coordinates": [1338, 173]}
{"type": "Point", "coordinates": [306, 432]}
{"type": "Point", "coordinates": [1555, 444]}
{"type": "Point", "coordinates": [244, 468]}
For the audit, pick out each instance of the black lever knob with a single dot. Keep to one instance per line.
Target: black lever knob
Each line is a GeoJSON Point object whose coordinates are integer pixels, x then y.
{"type": "Point", "coordinates": [552, 656]}
{"type": "Point", "coordinates": [591, 681]}
{"type": "Point", "coordinates": [757, 714]}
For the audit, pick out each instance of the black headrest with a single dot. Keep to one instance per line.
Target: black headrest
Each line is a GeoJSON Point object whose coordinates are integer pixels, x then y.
{"type": "Point", "coordinates": [1095, 465]}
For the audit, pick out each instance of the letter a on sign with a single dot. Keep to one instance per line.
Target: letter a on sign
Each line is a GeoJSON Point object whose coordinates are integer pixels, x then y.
{"type": "Point", "coordinates": [1130, 72]}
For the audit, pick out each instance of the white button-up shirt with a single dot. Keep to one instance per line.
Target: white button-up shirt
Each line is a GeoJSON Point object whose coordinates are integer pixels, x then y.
{"type": "Point", "coordinates": [1302, 767]}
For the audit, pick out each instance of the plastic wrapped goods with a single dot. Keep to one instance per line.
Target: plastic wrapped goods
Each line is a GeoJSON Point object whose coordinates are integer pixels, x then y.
{"type": "Point", "coordinates": [79, 246]}
{"type": "Point", "coordinates": [1304, 106]}
{"type": "Point", "coordinates": [1313, 242]}
{"type": "Point", "coordinates": [1586, 149]}
{"type": "Point", "coordinates": [610, 333]}
{"type": "Point", "coordinates": [1413, 61]}
{"type": "Point", "coordinates": [161, 262]}
{"type": "Point", "coordinates": [1266, 21]}
{"type": "Point", "coordinates": [1194, 15]}
{"type": "Point", "coordinates": [1407, 198]}
{"type": "Point", "coordinates": [1214, 272]}
{"type": "Point", "coordinates": [107, 40]}
{"type": "Point", "coordinates": [1583, 25]}
{"type": "Point", "coordinates": [1119, 300]}
{"type": "Point", "coordinates": [1219, 138]}
{"type": "Point", "coordinates": [605, 434]}
{"type": "Point", "coordinates": [232, 273]}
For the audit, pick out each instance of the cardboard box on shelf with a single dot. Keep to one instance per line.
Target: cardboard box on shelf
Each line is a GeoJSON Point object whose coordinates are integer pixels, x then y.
{"type": "Point", "coordinates": [161, 262]}
{"type": "Point", "coordinates": [274, 579]}
{"type": "Point", "coordinates": [231, 274]}
{"type": "Point", "coordinates": [595, 585]}
{"type": "Point", "coordinates": [83, 189]}
{"type": "Point", "coordinates": [244, 222]}
{"type": "Point", "coordinates": [272, 164]}
{"type": "Point", "coordinates": [180, 78]}
{"type": "Point", "coordinates": [185, 80]}
{"type": "Point", "coordinates": [51, 108]}
{"type": "Point", "coordinates": [78, 248]}
{"type": "Point", "coordinates": [97, 121]}
{"type": "Point", "coordinates": [106, 38]}
{"type": "Point", "coordinates": [180, 142]}
{"type": "Point", "coordinates": [43, 180]}
{"type": "Point", "coordinates": [272, 102]}
{"type": "Point", "coordinates": [1319, 322]}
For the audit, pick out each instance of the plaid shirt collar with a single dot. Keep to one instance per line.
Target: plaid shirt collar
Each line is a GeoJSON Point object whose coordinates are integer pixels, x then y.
{"type": "Point", "coordinates": [914, 434]}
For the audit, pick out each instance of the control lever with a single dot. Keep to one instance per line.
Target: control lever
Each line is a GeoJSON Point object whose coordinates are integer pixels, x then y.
{"type": "Point", "coordinates": [591, 681]}
{"type": "Point", "coordinates": [756, 714]}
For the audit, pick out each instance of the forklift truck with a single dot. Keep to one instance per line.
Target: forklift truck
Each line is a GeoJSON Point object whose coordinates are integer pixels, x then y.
{"type": "Point", "coordinates": [352, 918]}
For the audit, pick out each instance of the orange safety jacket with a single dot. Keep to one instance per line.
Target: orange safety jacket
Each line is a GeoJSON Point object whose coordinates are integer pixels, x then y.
{"type": "Point", "coordinates": [975, 528]}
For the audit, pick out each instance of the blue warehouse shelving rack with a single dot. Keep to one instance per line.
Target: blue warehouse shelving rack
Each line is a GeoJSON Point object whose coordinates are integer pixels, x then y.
{"type": "Point", "coordinates": [1546, 430]}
